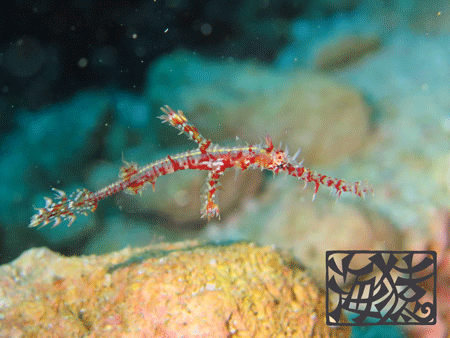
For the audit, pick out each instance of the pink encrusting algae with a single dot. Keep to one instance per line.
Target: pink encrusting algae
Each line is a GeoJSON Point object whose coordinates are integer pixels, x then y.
{"type": "Point", "coordinates": [208, 156]}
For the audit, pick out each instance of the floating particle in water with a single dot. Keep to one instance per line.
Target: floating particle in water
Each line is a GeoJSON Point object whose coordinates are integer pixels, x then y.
{"type": "Point", "coordinates": [206, 29]}
{"type": "Point", "coordinates": [24, 57]}
{"type": "Point", "coordinates": [82, 62]}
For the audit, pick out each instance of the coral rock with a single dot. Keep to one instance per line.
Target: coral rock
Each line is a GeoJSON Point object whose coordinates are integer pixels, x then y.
{"type": "Point", "coordinates": [165, 290]}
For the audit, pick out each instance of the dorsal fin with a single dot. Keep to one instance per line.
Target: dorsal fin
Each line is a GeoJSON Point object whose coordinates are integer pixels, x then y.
{"type": "Point", "coordinates": [128, 170]}
{"type": "Point", "coordinates": [269, 144]}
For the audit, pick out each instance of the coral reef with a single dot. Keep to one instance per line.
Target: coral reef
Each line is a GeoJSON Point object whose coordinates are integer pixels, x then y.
{"type": "Point", "coordinates": [164, 290]}
{"type": "Point", "coordinates": [339, 86]}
